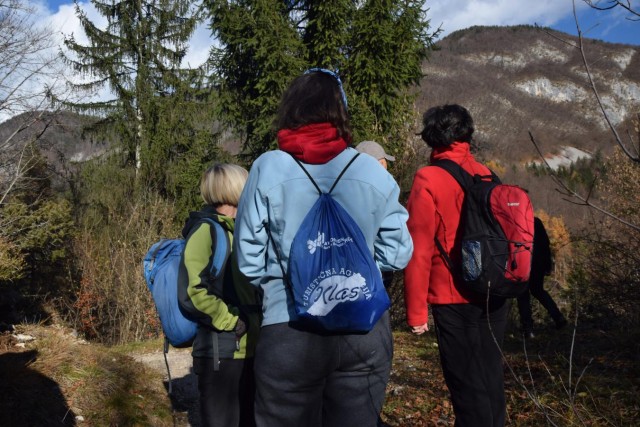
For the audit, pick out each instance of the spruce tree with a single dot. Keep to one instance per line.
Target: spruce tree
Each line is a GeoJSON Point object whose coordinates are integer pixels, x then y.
{"type": "Point", "coordinates": [326, 32]}
{"type": "Point", "coordinates": [137, 57]}
{"type": "Point", "coordinates": [376, 45]}
{"type": "Point", "coordinates": [259, 52]}
{"type": "Point", "coordinates": [184, 142]}
{"type": "Point", "coordinates": [389, 42]}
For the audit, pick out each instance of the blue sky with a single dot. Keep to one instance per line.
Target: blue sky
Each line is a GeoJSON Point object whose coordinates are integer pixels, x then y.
{"type": "Point", "coordinates": [611, 26]}
{"type": "Point", "coordinates": [60, 17]}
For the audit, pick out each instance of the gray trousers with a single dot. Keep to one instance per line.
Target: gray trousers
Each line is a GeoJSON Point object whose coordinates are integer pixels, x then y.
{"type": "Point", "coordinates": [226, 395]}
{"type": "Point", "coordinates": [314, 380]}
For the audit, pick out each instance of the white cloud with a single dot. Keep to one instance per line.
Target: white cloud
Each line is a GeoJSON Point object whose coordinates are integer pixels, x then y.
{"type": "Point", "coordinates": [64, 22]}
{"type": "Point", "coordinates": [199, 46]}
{"type": "Point", "coordinates": [34, 70]}
{"type": "Point", "coordinates": [451, 14]}
{"type": "Point", "coordinates": [454, 15]}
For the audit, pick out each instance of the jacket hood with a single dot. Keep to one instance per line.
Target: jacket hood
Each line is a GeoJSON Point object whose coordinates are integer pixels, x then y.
{"type": "Point", "coordinates": [458, 152]}
{"type": "Point", "coordinates": [210, 212]}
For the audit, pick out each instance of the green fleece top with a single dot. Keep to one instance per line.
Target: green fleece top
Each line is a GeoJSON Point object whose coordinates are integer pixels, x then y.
{"type": "Point", "coordinates": [217, 299]}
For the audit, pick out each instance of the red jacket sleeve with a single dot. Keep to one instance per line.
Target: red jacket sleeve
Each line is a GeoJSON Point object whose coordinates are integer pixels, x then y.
{"type": "Point", "coordinates": [422, 227]}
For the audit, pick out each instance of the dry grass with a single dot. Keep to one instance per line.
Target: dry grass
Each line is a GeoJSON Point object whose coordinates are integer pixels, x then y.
{"type": "Point", "coordinates": [587, 377]}
{"type": "Point", "coordinates": [556, 380]}
{"type": "Point", "coordinates": [112, 304]}
{"type": "Point", "coordinates": [57, 377]}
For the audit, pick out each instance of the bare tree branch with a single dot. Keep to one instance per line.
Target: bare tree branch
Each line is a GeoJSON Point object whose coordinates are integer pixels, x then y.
{"type": "Point", "coordinates": [610, 4]}
{"type": "Point", "coordinates": [592, 84]}
{"type": "Point", "coordinates": [630, 150]}
{"type": "Point", "coordinates": [22, 165]}
{"type": "Point", "coordinates": [575, 196]}
{"type": "Point", "coordinates": [29, 73]}
{"type": "Point", "coordinates": [27, 59]}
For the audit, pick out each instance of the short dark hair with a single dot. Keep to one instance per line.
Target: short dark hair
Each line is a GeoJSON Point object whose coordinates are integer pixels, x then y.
{"type": "Point", "coordinates": [314, 97]}
{"type": "Point", "coordinates": [446, 124]}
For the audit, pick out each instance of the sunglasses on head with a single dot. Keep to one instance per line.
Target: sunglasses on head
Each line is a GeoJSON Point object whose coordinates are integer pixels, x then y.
{"type": "Point", "coordinates": [335, 76]}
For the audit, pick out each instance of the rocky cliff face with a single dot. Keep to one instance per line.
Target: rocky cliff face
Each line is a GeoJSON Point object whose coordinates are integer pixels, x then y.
{"type": "Point", "coordinates": [60, 138]}
{"type": "Point", "coordinates": [520, 79]}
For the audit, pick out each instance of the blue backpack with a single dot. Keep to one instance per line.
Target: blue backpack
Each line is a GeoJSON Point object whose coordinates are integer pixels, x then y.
{"type": "Point", "coordinates": [161, 265]}
{"type": "Point", "coordinates": [335, 281]}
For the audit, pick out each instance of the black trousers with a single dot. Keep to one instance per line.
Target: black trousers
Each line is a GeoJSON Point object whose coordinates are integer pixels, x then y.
{"type": "Point", "coordinates": [536, 288]}
{"type": "Point", "coordinates": [469, 337]}
{"type": "Point", "coordinates": [226, 395]}
{"type": "Point", "coordinates": [304, 379]}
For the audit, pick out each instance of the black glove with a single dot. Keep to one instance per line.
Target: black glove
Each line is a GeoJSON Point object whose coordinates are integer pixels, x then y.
{"type": "Point", "coordinates": [241, 328]}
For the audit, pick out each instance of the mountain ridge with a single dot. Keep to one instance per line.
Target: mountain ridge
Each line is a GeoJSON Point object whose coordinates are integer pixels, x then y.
{"type": "Point", "coordinates": [524, 82]}
{"type": "Point", "coordinates": [534, 77]}
{"type": "Point", "coordinates": [516, 82]}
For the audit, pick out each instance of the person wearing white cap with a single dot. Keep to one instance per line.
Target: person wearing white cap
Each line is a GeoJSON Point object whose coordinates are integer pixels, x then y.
{"type": "Point", "coordinates": [375, 150]}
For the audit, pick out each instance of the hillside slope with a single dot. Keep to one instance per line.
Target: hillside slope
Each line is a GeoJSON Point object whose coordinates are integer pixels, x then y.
{"type": "Point", "coordinates": [520, 79]}
{"type": "Point", "coordinates": [516, 80]}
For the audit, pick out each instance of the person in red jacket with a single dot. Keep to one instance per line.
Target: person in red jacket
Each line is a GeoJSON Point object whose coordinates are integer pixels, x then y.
{"type": "Point", "coordinates": [467, 325]}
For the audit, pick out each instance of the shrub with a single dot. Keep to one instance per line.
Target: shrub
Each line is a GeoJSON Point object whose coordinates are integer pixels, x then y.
{"type": "Point", "coordinates": [112, 303]}
{"type": "Point", "coordinates": [607, 278]}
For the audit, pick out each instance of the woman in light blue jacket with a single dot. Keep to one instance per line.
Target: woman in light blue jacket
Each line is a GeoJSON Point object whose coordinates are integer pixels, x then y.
{"type": "Point", "coordinates": [303, 377]}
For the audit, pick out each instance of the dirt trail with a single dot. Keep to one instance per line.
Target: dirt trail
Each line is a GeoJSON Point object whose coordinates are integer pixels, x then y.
{"type": "Point", "coordinates": [184, 396]}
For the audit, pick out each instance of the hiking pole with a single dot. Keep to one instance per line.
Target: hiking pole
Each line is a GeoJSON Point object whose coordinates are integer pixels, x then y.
{"type": "Point", "coordinates": [166, 362]}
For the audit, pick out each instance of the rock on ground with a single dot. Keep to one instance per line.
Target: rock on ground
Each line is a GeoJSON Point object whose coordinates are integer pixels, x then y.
{"type": "Point", "coordinates": [184, 385]}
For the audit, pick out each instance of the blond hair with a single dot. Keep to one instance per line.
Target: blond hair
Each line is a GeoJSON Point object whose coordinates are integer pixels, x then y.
{"type": "Point", "coordinates": [222, 183]}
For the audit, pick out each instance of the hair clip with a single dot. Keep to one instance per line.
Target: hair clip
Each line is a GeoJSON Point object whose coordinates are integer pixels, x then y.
{"type": "Point", "coordinates": [335, 76]}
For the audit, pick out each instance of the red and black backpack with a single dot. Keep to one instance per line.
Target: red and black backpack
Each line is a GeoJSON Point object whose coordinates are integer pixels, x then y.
{"type": "Point", "coordinates": [495, 234]}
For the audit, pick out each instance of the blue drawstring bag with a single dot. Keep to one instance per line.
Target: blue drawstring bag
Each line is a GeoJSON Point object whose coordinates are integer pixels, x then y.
{"type": "Point", "coordinates": [335, 281]}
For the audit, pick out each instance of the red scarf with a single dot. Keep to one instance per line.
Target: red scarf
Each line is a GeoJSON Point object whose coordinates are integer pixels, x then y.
{"type": "Point", "coordinates": [315, 144]}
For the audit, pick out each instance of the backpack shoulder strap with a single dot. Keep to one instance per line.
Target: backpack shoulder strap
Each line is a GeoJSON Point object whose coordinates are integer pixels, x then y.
{"type": "Point", "coordinates": [308, 174]}
{"type": "Point", "coordinates": [343, 171]}
{"type": "Point", "coordinates": [337, 179]}
{"type": "Point", "coordinates": [220, 247]}
{"type": "Point", "coordinates": [464, 178]}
